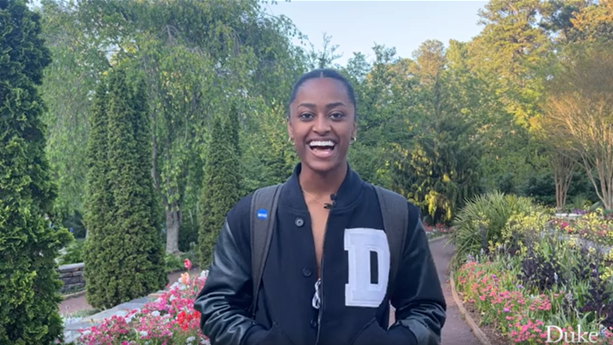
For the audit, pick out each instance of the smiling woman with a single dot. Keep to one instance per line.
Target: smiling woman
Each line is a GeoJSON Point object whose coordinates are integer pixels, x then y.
{"type": "Point", "coordinates": [376, 250]}
{"type": "Point", "coordinates": [322, 122]}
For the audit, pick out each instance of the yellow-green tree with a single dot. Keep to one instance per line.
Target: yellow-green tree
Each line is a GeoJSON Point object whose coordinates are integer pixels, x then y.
{"type": "Point", "coordinates": [579, 109]}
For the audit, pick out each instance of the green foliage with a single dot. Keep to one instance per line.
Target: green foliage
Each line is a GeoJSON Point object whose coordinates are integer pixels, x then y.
{"type": "Point", "coordinates": [68, 82]}
{"type": "Point", "coordinates": [29, 241]}
{"type": "Point", "coordinates": [267, 159]}
{"type": "Point", "coordinates": [221, 183]}
{"type": "Point", "coordinates": [124, 257]}
{"type": "Point", "coordinates": [540, 278]}
{"type": "Point", "coordinates": [176, 262]}
{"type": "Point", "coordinates": [483, 221]}
{"type": "Point", "coordinates": [441, 170]}
{"type": "Point", "coordinates": [98, 200]}
{"type": "Point", "coordinates": [74, 253]}
{"type": "Point", "coordinates": [448, 122]}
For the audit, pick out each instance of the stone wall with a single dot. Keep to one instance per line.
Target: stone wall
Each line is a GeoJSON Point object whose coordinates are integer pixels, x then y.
{"type": "Point", "coordinates": [72, 276]}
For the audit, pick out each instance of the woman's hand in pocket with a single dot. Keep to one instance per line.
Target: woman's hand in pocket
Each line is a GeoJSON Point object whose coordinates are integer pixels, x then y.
{"type": "Point", "coordinates": [373, 334]}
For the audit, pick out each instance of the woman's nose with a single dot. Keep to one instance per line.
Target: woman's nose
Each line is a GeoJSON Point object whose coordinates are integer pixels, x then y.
{"type": "Point", "coordinates": [321, 125]}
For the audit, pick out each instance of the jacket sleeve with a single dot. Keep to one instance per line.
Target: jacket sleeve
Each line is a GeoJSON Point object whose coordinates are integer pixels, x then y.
{"type": "Point", "coordinates": [226, 296]}
{"type": "Point", "coordinates": [418, 296]}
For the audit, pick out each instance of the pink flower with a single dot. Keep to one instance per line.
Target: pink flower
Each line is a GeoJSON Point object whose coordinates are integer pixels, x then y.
{"type": "Point", "coordinates": [187, 264]}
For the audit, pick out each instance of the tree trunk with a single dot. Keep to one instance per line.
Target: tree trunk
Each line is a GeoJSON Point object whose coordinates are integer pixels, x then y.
{"type": "Point", "coordinates": [605, 175]}
{"type": "Point", "coordinates": [173, 222]}
{"type": "Point", "coordinates": [563, 168]}
{"type": "Point", "coordinates": [173, 210]}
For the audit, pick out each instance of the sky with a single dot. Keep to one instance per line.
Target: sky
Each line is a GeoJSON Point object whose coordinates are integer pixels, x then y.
{"type": "Point", "coordinates": [356, 25]}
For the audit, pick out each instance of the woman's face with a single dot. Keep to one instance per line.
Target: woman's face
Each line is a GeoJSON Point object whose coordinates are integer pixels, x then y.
{"type": "Point", "coordinates": [322, 124]}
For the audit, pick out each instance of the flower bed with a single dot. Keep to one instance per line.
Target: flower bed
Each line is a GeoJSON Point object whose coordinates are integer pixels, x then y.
{"type": "Point", "coordinates": [171, 319]}
{"type": "Point", "coordinates": [545, 290]}
{"type": "Point", "coordinates": [437, 230]}
{"type": "Point", "coordinates": [591, 226]}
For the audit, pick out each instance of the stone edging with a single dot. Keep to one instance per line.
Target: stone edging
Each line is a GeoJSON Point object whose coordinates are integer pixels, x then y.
{"type": "Point", "coordinates": [73, 295]}
{"type": "Point", "coordinates": [469, 320]}
{"type": "Point", "coordinates": [437, 239]}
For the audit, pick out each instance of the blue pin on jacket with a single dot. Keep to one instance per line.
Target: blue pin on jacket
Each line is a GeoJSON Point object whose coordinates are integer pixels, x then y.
{"type": "Point", "coordinates": [262, 214]}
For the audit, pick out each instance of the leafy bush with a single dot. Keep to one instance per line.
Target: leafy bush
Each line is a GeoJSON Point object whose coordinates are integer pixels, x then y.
{"type": "Point", "coordinates": [175, 262]}
{"type": "Point", "coordinates": [482, 221]}
{"type": "Point", "coordinates": [74, 253]}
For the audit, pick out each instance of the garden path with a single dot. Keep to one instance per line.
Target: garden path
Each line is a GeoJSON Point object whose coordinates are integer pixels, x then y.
{"type": "Point", "coordinates": [455, 331]}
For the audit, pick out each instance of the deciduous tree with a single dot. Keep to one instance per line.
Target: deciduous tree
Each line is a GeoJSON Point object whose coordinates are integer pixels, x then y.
{"type": "Point", "coordinates": [579, 109]}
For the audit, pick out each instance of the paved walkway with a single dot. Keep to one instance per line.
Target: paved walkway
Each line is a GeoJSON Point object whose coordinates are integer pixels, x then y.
{"type": "Point", "coordinates": [78, 303]}
{"type": "Point", "coordinates": [455, 331]}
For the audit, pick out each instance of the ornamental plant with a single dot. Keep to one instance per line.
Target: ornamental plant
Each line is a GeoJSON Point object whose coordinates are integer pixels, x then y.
{"type": "Point", "coordinates": [170, 319]}
{"type": "Point", "coordinates": [121, 212]}
{"type": "Point", "coordinates": [30, 239]}
{"type": "Point", "coordinates": [520, 314]}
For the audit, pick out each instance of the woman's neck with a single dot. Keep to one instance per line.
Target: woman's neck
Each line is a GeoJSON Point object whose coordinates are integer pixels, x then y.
{"type": "Point", "coordinates": [322, 185]}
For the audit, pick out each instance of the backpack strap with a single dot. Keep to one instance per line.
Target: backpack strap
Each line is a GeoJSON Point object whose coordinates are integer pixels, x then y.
{"type": "Point", "coordinates": [263, 212]}
{"type": "Point", "coordinates": [395, 213]}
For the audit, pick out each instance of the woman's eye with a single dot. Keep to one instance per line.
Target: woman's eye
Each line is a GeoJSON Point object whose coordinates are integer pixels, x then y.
{"type": "Point", "coordinates": [337, 116]}
{"type": "Point", "coordinates": [306, 115]}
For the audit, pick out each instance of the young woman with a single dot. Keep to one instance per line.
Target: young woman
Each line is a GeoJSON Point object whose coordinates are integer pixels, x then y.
{"type": "Point", "coordinates": [309, 292]}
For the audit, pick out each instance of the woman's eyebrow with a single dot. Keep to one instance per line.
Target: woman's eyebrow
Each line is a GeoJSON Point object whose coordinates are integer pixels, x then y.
{"type": "Point", "coordinates": [329, 105]}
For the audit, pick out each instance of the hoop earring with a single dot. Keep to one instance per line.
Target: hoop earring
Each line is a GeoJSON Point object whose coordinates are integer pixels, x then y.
{"type": "Point", "coordinates": [290, 139]}
{"type": "Point", "coordinates": [353, 139]}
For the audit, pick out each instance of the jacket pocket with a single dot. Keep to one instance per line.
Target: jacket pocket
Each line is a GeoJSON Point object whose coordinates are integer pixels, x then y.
{"type": "Point", "coordinates": [371, 333]}
{"type": "Point", "coordinates": [276, 336]}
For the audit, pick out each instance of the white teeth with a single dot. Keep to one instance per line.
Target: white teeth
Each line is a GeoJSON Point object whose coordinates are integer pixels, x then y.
{"type": "Point", "coordinates": [321, 143]}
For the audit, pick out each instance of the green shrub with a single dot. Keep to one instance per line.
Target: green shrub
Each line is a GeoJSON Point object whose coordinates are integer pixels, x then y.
{"type": "Point", "coordinates": [124, 257]}
{"type": "Point", "coordinates": [176, 262]}
{"type": "Point", "coordinates": [29, 241]}
{"type": "Point", "coordinates": [74, 253]}
{"type": "Point", "coordinates": [221, 183]}
{"type": "Point", "coordinates": [482, 221]}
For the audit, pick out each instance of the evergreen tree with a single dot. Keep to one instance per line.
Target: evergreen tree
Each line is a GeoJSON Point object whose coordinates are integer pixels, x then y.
{"type": "Point", "coordinates": [221, 182]}
{"type": "Point", "coordinates": [29, 245]}
{"type": "Point", "coordinates": [127, 258]}
{"type": "Point", "coordinates": [441, 170]}
{"type": "Point", "coordinates": [98, 201]}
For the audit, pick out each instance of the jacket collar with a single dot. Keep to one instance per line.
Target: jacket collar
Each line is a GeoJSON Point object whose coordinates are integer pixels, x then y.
{"type": "Point", "coordinates": [347, 195]}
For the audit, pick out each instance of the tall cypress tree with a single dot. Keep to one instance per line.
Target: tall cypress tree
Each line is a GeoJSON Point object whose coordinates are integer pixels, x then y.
{"type": "Point", "coordinates": [221, 182]}
{"type": "Point", "coordinates": [29, 280]}
{"type": "Point", "coordinates": [127, 257]}
{"type": "Point", "coordinates": [98, 201]}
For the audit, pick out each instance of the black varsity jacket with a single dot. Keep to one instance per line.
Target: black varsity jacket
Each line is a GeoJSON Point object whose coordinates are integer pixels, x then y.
{"type": "Point", "coordinates": [352, 311]}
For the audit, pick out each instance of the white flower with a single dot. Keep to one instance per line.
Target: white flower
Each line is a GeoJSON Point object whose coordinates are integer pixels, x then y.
{"type": "Point", "coordinates": [190, 339]}
{"type": "Point", "coordinates": [143, 333]}
{"type": "Point", "coordinates": [155, 313]}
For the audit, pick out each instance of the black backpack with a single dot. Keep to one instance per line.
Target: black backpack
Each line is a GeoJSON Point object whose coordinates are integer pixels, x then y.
{"type": "Point", "coordinates": [394, 209]}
